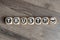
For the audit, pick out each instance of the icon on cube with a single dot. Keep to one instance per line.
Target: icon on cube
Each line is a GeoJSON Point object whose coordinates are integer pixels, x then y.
{"type": "Point", "coordinates": [53, 20]}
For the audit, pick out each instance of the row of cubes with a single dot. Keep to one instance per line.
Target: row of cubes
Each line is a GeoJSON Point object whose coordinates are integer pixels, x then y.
{"type": "Point", "coordinates": [30, 20]}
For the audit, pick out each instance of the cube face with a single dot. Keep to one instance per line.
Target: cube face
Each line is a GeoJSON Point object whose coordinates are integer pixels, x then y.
{"type": "Point", "coordinates": [45, 20]}
{"type": "Point", "coordinates": [31, 20]}
{"type": "Point", "coordinates": [53, 20]}
{"type": "Point", "coordinates": [16, 20]}
{"type": "Point", "coordinates": [38, 20]}
{"type": "Point", "coordinates": [8, 20]}
{"type": "Point", "coordinates": [23, 20]}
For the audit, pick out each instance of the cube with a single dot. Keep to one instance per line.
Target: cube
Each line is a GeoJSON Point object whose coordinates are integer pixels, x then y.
{"type": "Point", "coordinates": [16, 20]}
{"type": "Point", "coordinates": [30, 20]}
{"type": "Point", "coordinates": [23, 20]}
{"type": "Point", "coordinates": [53, 20]}
{"type": "Point", "coordinates": [45, 20]}
{"type": "Point", "coordinates": [38, 20]}
{"type": "Point", "coordinates": [8, 20]}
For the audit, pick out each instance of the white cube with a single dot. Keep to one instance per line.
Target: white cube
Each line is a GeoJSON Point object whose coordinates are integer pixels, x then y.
{"type": "Point", "coordinates": [23, 20]}
{"type": "Point", "coordinates": [30, 20]}
{"type": "Point", "coordinates": [53, 20]}
{"type": "Point", "coordinates": [45, 20]}
{"type": "Point", "coordinates": [8, 20]}
{"type": "Point", "coordinates": [38, 20]}
{"type": "Point", "coordinates": [16, 20]}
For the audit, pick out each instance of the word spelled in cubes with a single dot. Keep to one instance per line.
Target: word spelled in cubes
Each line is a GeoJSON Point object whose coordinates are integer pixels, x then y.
{"type": "Point", "coordinates": [30, 20]}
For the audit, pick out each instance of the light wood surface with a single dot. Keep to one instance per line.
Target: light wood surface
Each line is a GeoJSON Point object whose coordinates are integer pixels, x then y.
{"type": "Point", "coordinates": [27, 32]}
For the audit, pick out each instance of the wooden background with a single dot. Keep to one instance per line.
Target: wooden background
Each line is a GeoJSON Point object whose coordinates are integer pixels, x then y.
{"type": "Point", "coordinates": [29, 8]}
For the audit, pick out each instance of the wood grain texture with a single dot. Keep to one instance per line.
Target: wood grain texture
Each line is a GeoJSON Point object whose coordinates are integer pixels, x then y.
{"type": "Point", "coordinates": [49, 4]}
{"type": "Point", "coordinates": [34, 32]}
